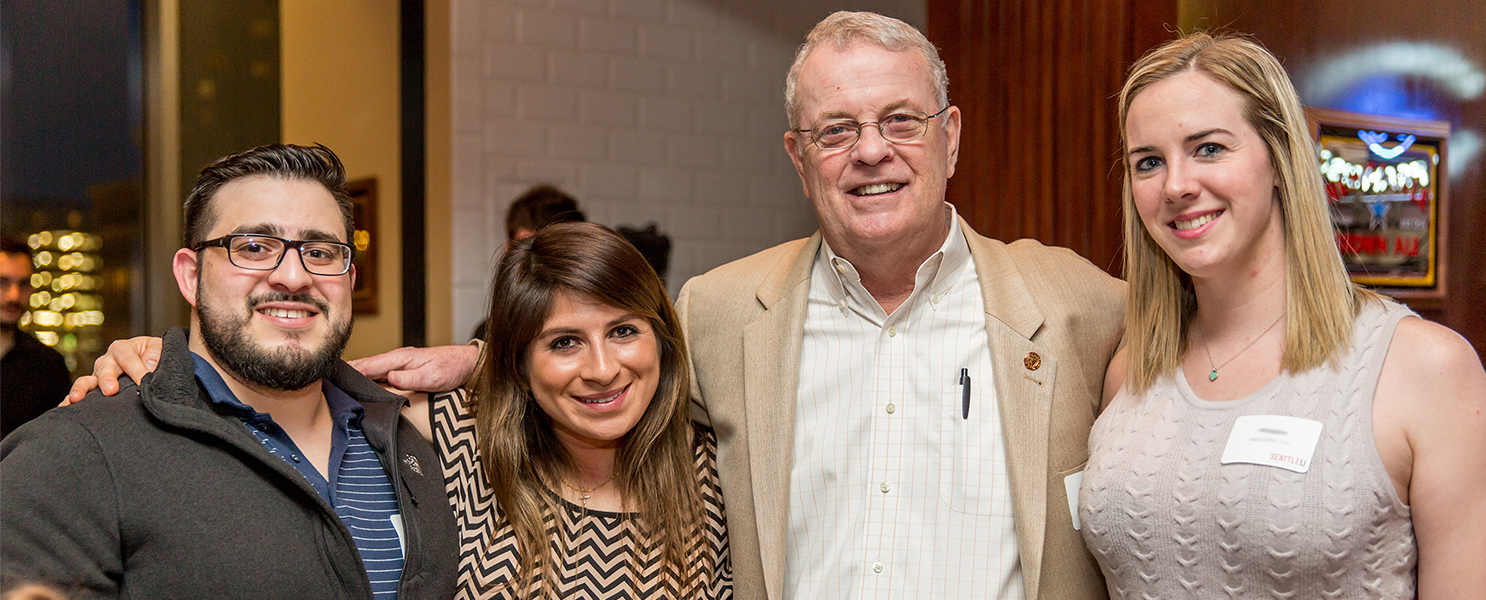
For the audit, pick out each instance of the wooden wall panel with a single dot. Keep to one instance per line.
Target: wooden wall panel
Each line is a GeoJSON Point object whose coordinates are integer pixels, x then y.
{"type": "Point", "coordinates": [1037, 83]}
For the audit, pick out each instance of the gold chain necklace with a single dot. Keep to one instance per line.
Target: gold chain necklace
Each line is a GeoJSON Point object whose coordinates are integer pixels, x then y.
{"type": "Point", "coordinates": [1213, 376]}
{"type": "Point", "coordinates": [585, 494]}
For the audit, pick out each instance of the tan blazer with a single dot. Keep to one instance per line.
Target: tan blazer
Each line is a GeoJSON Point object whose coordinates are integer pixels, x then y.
{"type": "Point", "coordinates": [744, 322]}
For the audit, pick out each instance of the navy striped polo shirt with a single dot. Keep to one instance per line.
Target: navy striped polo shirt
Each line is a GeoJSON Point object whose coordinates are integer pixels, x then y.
{"type": "Point", "coordinates": [358, 487]}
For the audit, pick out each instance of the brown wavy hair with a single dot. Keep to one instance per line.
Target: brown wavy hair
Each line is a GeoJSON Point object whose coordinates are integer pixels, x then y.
{"type": "Point", "coordinates": [654, 465]}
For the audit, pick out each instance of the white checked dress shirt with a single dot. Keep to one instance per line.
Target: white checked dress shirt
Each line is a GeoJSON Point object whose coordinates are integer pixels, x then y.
{"type": "Point", "coordinates": [893, 494]}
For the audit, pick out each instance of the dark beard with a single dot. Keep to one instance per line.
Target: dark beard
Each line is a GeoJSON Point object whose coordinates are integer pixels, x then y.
{"type": "Point", "coordinates": [286, 369]}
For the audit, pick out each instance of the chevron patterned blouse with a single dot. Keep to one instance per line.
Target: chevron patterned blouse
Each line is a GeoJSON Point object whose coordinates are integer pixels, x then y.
{"type": "Point", "coordinates": [603, 557]}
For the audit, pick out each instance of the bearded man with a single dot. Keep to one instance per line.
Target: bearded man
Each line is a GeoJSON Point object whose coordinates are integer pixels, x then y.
{"type": "Point", "coordinates": [253, 463]}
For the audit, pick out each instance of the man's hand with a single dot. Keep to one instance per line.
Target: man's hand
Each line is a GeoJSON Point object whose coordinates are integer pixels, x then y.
{"type": "Point", "coordinates": [437, 369]}
{"type": "Point", "coordinates": [134, 357]}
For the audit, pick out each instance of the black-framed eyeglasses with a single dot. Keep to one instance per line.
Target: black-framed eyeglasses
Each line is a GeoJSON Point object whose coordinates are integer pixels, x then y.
{"type": "Point", "coordinates": [898, 128]}
{"type": "Point", "coordinates": [265, 252]}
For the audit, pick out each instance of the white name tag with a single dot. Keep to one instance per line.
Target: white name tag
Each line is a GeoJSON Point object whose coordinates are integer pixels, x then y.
{"type": "Point", "coordinates": [1273, 441]}
{"type": "Point", "coordinates": [1071, 484]}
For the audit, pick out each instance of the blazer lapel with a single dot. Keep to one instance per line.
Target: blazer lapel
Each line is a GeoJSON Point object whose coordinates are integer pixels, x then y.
{"type": "Point", "coordinates": [1024, 394]}
{"type": "Point", "coordinates": [771, 365]}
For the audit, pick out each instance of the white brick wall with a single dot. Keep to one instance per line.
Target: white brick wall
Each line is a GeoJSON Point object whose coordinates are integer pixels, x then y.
{"type": "Point", "coordinates": [645, 110]}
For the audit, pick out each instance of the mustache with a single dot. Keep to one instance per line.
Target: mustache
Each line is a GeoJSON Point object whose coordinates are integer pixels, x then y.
{"type": "Point", "coordinates": [255, 301]}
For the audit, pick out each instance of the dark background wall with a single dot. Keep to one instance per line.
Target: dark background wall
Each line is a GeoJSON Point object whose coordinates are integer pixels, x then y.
{"type": "Point", "coordinates": [229, 53]}
{"type": "Point", "coordinates": [1038, 81]}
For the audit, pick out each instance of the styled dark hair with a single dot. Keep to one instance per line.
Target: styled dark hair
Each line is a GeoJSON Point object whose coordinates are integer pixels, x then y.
{"type": "Point", "coordinates": [654, 464]}
{"type": "Point", "coordinates": [539, 207]}
{"type": "Point", "coordinates": [283, 161]}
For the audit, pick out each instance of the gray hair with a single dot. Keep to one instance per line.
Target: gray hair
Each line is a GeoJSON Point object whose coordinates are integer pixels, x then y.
{"type": "Point", "coordinates": [844, 28]}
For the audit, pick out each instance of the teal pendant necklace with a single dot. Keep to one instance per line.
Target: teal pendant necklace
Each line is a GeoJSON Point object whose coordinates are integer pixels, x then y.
{"type": "Point", "coordinates": [1213, 375]}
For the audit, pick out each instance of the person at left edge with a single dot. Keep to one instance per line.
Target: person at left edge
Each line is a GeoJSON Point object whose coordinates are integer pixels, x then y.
{"type": "Point", "coordinates": [33, 377]}
{"type": "Point", "coordinates": [254, 463]}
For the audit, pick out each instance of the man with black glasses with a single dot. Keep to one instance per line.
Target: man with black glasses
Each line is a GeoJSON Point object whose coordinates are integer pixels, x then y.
{"type": "Point", "coordinates": [253, 463]}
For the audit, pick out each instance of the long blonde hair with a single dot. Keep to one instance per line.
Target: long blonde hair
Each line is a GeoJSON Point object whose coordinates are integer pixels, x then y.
{"type": "Point", "coordinates": [1320, 301]}
{"type": "Point", "coordinates": [518, 448]}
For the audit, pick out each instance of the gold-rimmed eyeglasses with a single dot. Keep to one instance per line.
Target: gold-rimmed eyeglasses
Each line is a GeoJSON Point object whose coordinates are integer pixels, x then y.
{"type": "Point", "coordinates": [898, 128]}
{"type": "Point", "coordinates": [265, 252]}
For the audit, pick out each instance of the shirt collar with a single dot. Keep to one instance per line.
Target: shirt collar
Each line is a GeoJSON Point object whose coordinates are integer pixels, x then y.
{"type": "Point", "coordinates": [935, 274]}
{"type": "Point", "coordinates": [343, 408]}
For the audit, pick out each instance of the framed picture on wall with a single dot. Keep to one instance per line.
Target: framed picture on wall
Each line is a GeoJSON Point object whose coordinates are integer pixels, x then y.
{"type": "Point", "coordinates": [364, 217]}
{"type": "Point", "coordinates": [1385, 179]}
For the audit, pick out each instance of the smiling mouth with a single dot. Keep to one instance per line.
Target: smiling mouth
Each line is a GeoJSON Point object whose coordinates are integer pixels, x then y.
{"type": "Point", "coordinates": [1195, 223]}
{"type": "Point", "coordinates": [317, 305]}
{"type": "Point", "coordinates": [284, 313]}
{"type": "Point", "coordinates": [604, 399]}
{"type": "Point", "coordinates": [876, 188]}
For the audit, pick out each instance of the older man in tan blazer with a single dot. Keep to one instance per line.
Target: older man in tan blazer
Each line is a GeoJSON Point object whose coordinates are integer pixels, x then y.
{"type": "Point", "coordinates": [875, 140]}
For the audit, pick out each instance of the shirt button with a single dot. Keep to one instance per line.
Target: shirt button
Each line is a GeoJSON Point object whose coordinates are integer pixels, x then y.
{"type": "Point", "coordinates": [876, 567]}
{"type": "Point", "coordinates": [885, 487]}
{"type": "Point", "coordinates": [841, 304]}
{"type": "Point", "coordinates": [934, 298]}
{"type": "Point", "coordinates": [892, 332]}
{"type": "Point", "coordinates": [295, 457]}
{"type": "Point", "coordinates": [263, 427]}
{"type": "Point", "coordinates": [840, 268]}
{"type": "Point", "coordinates": [891, 409]}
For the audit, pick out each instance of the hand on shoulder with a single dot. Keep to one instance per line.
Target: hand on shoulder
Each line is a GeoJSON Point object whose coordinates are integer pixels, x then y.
{"type": "Point", "coordinates": [133, 358]}
{"type": "Point", "coordinates": [438, 369]}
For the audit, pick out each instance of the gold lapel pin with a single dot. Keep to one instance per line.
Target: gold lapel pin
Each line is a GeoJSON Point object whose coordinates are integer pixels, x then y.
{"type": "Point", "coordinates": [1032, 361]}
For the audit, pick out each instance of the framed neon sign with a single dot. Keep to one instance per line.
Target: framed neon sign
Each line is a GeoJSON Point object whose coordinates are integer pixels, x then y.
{"type": "Point", "coordinates": [1385, 181]}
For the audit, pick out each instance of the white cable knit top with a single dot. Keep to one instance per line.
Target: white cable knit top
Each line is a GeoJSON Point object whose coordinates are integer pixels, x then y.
{"type": "Point", "coordinates": [1165, 518]}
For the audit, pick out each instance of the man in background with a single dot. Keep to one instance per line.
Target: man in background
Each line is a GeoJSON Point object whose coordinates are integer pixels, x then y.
{"type": "Point", "coordinates": [539, 207]}
{"type": "Point", "coordinates": [33, 377]}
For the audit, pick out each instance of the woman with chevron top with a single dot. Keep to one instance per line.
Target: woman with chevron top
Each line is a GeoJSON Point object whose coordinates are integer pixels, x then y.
{"type": "Point", "coordinates": [604, 487]}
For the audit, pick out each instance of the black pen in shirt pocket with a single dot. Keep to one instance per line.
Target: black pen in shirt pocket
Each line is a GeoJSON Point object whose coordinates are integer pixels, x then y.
{"type": "Point", "coordinates": [965, 394]}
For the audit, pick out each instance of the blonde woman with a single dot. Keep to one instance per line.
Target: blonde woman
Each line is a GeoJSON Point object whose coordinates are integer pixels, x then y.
{"type": "Point", "coordinates": [1271, 430]}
